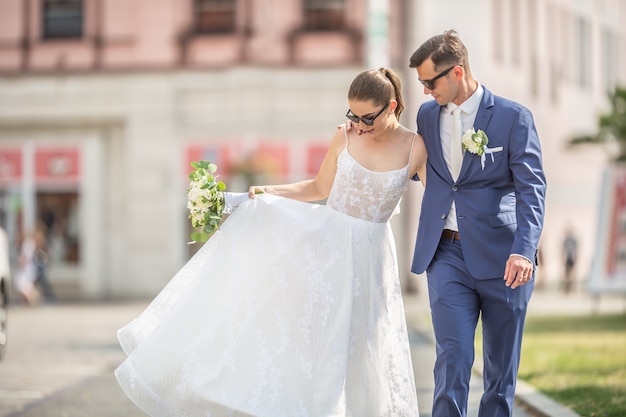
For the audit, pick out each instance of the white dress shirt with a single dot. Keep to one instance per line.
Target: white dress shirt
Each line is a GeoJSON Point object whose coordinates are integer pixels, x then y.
{"type": "Point", "coordinates": [469, 108]}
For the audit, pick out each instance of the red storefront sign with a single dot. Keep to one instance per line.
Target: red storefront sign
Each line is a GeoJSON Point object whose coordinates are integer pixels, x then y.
{"type": "Point", "coordinates": [217, 154]}
{"type": "Point", "coordinates": [616, 259]}
{"type": "Point", "coordinates": [272, 159]}
{"type": "Point", "coordinates": [57, 165]}
{"type": "Point", "coordinates": [230, 158]}
{"type": "Point", "coordinates": [10, 166]}
{"type": "Point", "coordinates": [315, 156]}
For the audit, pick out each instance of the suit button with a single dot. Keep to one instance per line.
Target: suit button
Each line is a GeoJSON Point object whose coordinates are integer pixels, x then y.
{"type": "Point", "coordinates": [443, 216]}
{"type": "Point", "coordinates": [454, 188]}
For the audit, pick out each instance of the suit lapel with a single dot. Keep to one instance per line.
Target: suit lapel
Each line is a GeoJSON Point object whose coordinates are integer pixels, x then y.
{"type": "Point", "coordinates": [483, 115]}
{"type": "Point", "coordinates": [484, 111]}
{"type": "Point", "coordinates": [435, 151]}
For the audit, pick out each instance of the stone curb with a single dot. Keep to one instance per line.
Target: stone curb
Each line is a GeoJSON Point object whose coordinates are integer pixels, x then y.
{"type": "Point", "coordinates": [539, 404]}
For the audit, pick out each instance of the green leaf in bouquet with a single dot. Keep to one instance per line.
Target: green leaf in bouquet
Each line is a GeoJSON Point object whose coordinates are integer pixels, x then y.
{"type": "Point", "coordinates": [199, 237]}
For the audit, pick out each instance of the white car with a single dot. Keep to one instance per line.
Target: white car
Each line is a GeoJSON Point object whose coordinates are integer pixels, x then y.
{"type": "Point", "coordinates": [5, 288]}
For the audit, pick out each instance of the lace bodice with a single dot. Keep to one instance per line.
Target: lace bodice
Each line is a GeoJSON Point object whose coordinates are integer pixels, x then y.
{"type": "Point", "coordinates": [365, 194]}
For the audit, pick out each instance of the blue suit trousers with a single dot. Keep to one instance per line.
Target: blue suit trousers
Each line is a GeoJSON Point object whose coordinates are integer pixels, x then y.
{"type": "Point", "coordinates": [457, 302]}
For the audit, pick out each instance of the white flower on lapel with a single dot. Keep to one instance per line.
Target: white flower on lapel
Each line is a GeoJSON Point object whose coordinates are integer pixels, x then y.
{"type": "Point", "coordinates": [476, 143]}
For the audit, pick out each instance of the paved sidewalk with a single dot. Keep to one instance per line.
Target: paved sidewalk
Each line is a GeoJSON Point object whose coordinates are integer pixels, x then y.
{"type": "Point", "coordinates": [529, 401]}
{"type": "Point", "coordinates": [60, 358]}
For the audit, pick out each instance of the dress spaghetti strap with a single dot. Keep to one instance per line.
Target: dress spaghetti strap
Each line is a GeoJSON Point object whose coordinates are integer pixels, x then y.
{"type": "Point", "coordinates": [345, 133]}
{"type": "Point", "coordinates": [411, 155]}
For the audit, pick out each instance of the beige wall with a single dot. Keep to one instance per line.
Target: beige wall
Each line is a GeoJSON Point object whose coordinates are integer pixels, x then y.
{"type": "Point", "coordinates": [157, 34]}
{"type": "Point", "coordinates": [545, 42]}
{"type": "Point", "coordinates": [138, 102]}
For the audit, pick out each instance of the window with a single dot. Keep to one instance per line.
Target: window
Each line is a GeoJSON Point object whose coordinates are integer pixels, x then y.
{"type": "Point", "coordinates": [566, 45]}
{"type": "Point", "coordinates": [215, 16]}
{"type": "Point", "coordinates": [515, 30]}
{"type": "Point", "coordinates": [324, 15]}
{"type": "Point", "coordinates": [533, 47]}
{"type": "Point", "coordinates": [553, 33]}
{"type": "Point", "coordinates": [62, 19]}
{"type": "Point", "coordinates": [583, 61]}
{"type": "Point", "coordinates": [609, 59]}
{"type": "Point", "coordinates": [498, 44]}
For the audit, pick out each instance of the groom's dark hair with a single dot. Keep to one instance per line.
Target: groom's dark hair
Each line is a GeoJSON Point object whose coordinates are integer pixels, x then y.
{"type": "Point", "coordinates": [444, 50]}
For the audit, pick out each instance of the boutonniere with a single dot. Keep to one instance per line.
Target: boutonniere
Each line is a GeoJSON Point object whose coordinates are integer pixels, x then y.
{"type": "Point", "coordinates": [476, 143]}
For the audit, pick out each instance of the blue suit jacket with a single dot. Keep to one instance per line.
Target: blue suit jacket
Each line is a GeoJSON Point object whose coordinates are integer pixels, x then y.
{"type": "Point", "coordinates": [500, 208]}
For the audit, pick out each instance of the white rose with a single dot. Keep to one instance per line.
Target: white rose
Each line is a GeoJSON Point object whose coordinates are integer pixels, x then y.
{"type": "Point", "coordinates": [194, 192]}
{"type": "Point", "coordinates": [475, 142]}
{"type": "Point", "coordinates": [202, 204]}
{"type": "Point", "coordinates": [468, 141]}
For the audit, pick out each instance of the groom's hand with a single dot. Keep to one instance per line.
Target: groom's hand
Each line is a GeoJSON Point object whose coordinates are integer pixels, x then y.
{"type": "Point", "coordinates": [518, 271]}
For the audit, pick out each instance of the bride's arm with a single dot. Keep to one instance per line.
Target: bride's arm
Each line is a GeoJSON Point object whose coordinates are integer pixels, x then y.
{"type": "Point", "coordinates": [419, 156]}
{"type": "Point", "coordinates": [315, 189]}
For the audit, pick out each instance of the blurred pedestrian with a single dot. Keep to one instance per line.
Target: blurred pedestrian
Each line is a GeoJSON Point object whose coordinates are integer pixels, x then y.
{"type": "Point", "coordinates": [5, 260]}
{"type": "Point", "coordinates": [570, 256]}
{"type": "Point", "coordinates": [5, 285]}
{"type": "Point", "coordinates": [32, 269]}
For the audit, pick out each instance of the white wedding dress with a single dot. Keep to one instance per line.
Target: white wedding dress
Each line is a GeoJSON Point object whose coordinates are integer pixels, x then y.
{"type": "Point", "coordinates": [290, 309]}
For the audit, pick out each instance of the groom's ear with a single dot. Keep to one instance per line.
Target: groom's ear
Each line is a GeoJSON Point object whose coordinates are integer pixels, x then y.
{"type": "Point", "coordinates": [459, 72]}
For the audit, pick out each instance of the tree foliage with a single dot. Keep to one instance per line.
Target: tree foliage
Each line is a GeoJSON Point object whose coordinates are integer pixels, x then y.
{"type": "Point", "coordinates": [611, 126]}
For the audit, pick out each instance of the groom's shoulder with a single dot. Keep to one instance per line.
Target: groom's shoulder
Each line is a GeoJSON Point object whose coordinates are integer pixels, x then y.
{"type": "Point", "coordinates": [501, 102]}
{"type": "Point", "coordinates": [429, 106]}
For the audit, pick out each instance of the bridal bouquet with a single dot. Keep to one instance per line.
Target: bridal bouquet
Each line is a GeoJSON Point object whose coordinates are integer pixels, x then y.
{"type": "Point", "coordinates": [205, 200]}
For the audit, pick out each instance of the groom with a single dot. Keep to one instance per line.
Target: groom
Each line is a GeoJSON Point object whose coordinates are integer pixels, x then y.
{"type": "Point", "coordinates": [479, 227]}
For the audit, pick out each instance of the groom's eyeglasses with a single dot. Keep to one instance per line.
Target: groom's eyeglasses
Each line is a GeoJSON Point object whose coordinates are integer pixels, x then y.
{"type": "Point", "coordinates": [367, 120]}
{"type": "Point", "coordinates": [430, 84]}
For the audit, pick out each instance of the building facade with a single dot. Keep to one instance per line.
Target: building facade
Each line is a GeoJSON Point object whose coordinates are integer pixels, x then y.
{"type": "Point", "coordinates": [103, 104]}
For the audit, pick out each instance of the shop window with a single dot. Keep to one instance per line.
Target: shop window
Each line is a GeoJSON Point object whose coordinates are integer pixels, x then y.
{"type": "Point", "coordinates": [58, 213]}
{"type": "Point", "coordinates": [324, 15]}
{"type": "Point", "coordinates": [62, 19]}
{"type": "Point", "coordinates": [215, 16]}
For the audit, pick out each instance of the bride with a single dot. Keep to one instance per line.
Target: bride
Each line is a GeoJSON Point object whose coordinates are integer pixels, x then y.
{"type": "Point", "coordinates": [293, 308]}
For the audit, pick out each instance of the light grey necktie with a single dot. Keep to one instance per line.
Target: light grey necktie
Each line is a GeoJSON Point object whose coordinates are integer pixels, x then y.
{"type": "Point", "coordinates": [456, 152]}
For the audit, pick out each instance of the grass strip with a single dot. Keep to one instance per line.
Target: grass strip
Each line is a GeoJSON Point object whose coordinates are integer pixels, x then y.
{"type": "Point", "coordinates": [579, 361]}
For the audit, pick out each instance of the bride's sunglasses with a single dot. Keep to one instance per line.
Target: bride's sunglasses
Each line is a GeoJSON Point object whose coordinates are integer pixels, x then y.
{"type": "Point", "coordinates": [367, 120]}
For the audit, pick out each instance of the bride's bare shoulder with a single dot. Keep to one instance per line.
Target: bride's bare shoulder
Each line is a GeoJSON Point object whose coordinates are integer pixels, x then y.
{"type": "Point", "coordinates": [407, 134]}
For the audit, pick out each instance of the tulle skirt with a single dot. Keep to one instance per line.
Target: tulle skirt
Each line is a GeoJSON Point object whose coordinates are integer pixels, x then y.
{"type": "Point", "coordinates": [290, 309]}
